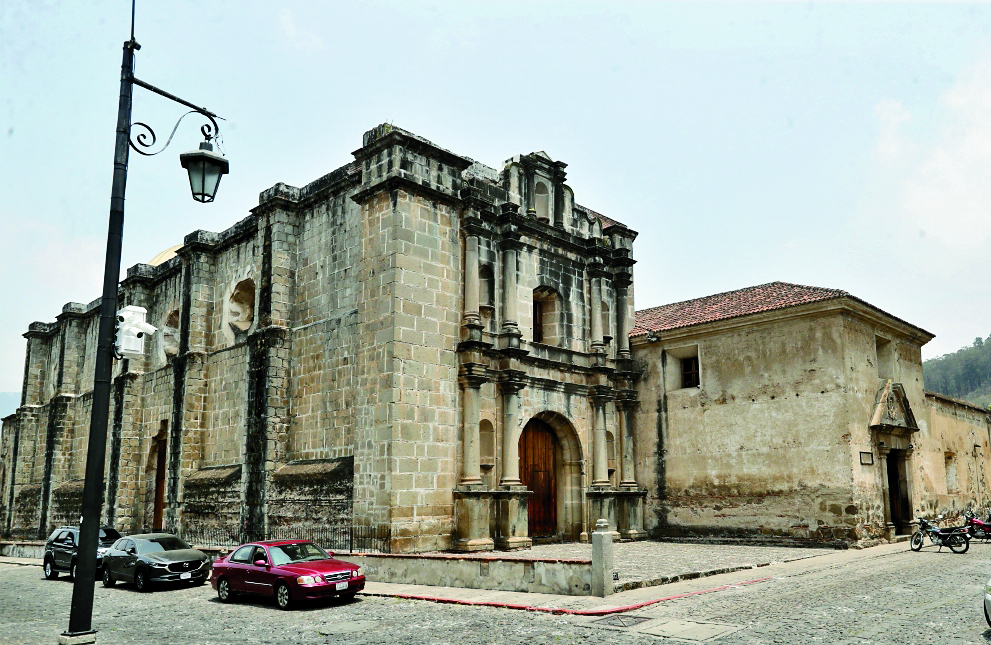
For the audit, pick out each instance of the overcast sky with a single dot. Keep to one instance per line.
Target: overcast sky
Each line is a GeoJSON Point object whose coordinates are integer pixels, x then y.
{"type": "Point", "coordinates": [837, 145]}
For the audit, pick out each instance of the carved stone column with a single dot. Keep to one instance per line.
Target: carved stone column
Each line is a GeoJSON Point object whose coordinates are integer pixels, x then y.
{"type": "Point", "coordinates": [596, 276]}
{"type": "Point", "coordinates": [510, 244]}
{"type": "Point", "coordinates": [471, 314]}
{"type": "Point", "coordinates": [624, 418]}
{"type": "Point", "coordinates": [512, 519]}
{"type": "Point", "coordinates": [621, 283]}
{"type": "Point", "coordinates": [510, 384]}
{"type": "Point", "coordinates": [471, 472]}
{"type": "Point", "coordinates": [600, 457]}
{"type": "Point", "coordinates": [906, 456]}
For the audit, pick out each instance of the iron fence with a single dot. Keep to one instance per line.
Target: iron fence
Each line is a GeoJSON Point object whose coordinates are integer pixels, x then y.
{"type": "Point", "coordinates": [346, 538]}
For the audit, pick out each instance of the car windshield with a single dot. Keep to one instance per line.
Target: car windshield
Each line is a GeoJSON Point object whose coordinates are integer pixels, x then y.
{"type": "Point", "coordinates": [164, 543]}
{"type": "Point", "coordinates": [301, 552]}
{"type": "Point", "coordinates": [109, 535]}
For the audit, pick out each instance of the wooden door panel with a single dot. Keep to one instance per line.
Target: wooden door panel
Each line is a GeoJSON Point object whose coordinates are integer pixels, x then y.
{"type": "Point", "coordinates": [537, 448]}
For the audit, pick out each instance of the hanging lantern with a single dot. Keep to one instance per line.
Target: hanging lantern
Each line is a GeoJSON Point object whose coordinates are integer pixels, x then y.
{"type": "Point", "coordinates": [205, 167]}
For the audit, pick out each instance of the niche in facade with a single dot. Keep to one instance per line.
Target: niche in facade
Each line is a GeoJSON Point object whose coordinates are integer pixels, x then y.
{"type": "Point", "coordinates": [885, 357]}
{"type": "Point", "coordinates": [170, 334]}
{"type": "Point", "coordinates": [548, 326]}
{"type": "Point", "coordinates": [486, 293]}
{"type": "Point", "coordinates": [241, 306]}
{"type": "Point", "coordinates": [487, 449]}
{"type": "Point", "coordinates": [542, 202]}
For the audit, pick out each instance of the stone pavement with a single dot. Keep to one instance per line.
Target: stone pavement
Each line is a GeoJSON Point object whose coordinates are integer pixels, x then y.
{"type": "Point", "coordinates": [641, 567]}
{"type": "Point", "coordinates": [735, 572]}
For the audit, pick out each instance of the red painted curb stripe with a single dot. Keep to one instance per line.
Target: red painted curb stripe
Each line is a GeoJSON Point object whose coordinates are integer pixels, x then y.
{"type": "Point", "coordinates": [574, 612]}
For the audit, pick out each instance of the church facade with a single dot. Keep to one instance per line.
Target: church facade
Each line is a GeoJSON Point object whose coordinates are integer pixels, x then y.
{"type": "Point", "coordinates": [415, 343]}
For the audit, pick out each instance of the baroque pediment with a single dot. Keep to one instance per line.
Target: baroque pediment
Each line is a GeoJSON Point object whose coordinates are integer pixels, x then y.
{"type": "Point", "coordinates": [892, 410]}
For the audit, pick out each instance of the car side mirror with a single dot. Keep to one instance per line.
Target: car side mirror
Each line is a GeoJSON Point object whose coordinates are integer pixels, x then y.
{"type": "Point", "coordinates": [132, 550]}
{"type": "Point", "coordinates": [261, 563]}
{"type": "Point", "coordinates": [330, 553]}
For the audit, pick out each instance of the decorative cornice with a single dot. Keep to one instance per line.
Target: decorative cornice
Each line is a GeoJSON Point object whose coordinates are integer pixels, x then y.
{"type": "Point", "coordinates": [396, 182]}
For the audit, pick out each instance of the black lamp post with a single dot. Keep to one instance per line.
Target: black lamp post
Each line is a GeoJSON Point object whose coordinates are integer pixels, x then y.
{"type": "Point", "coordinates": [205, 169]}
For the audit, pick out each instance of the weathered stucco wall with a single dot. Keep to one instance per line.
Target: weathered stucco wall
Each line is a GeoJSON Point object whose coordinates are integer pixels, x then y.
{"type": "Point", "coordinates": [760, 447]}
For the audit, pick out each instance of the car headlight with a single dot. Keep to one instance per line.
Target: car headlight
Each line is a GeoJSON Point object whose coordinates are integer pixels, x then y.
{"type": "Point", "coordinates": [307, 580]}
{"type": "Point", "coordinates": [160, 565]}
{"type": "Point", "coordinates": [100, 551]}
{"type": "Point", "coordinates": [357, 573]}
{"type": "Point", "coordinates": [987, 587]}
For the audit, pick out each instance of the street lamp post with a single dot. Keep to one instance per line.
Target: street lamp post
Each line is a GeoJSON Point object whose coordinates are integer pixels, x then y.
{"type": "Point", "coordinates": [205, 169]}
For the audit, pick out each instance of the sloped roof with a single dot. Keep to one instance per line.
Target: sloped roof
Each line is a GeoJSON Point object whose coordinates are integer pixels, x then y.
{"type": "Point", "coordinates": [731, 304]}
{"type": "Point", "coordinates": [605, 221]}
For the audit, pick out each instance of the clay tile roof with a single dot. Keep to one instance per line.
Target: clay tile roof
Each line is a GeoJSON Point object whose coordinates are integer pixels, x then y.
{"type": "Point", "coordinates": [605, 221]}
{"type": "Point", "coordinates": [764, 297]}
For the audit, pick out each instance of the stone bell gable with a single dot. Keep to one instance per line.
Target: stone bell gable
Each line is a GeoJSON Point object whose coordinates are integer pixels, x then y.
{"type": "Point", "coordinates": [414, 343]}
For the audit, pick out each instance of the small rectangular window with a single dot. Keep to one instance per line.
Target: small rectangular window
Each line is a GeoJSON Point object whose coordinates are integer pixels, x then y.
{"type": "Point", "coordinates": [690, 371]}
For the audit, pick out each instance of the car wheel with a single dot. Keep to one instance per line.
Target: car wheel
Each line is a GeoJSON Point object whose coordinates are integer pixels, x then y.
{"type": "Point", "coordinates": [958, 543]}
{"type": "Point", "coordinates": [50, 572]}
{"type": "Point", "coordinates": [108, 578]}
{"type": "Point", "coordinates": [224, 591]}
{"type": "Point", "coordinates": [72, 570]}
{"type": "Point", "coordinates": [917, 541]}
{"type": "Point", "coordinates": [282, 597]}
{"type": "Point", "coordinates": [141, 580]}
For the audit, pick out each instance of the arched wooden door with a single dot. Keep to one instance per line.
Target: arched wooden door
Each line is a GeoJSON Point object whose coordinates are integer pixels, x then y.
{"type": "Point", "coordinates": [538, 445]}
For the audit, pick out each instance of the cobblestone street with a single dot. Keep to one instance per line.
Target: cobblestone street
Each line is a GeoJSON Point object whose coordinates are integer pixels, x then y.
{"type": "Point", "coordinates": [886, 595]}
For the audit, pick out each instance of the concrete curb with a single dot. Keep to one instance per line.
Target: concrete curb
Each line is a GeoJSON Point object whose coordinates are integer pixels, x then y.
{"type": "Point", "coordinates": [21, 562]}
{"type": "Point", "coordinates": [553, 610]}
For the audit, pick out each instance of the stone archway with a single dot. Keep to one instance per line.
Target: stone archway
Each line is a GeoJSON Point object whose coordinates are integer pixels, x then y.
{"type": "Point", "coordinates": [566, 464]}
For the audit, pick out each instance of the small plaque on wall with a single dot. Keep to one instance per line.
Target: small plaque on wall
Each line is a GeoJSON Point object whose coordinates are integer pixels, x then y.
{"type": "Point", "coordinates": [867, 458]}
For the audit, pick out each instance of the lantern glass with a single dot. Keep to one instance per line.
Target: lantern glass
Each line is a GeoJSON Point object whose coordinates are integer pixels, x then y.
{"type": "Point", "coordinates": [205, 169]}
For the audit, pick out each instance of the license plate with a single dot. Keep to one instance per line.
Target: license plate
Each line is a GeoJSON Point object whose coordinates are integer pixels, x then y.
{"type": "Point", "coordinates": [342, 585]}
{"type": "Point", "coordinates": [185, 576]}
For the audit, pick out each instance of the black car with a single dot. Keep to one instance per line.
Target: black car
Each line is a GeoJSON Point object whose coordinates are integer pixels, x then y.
{"type": "Point", "coordinates": [154, 557]}
{"type": "Point", "coordinates": [62, 545]}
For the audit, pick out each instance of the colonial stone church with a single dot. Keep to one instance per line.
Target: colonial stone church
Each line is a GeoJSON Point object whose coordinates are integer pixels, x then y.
{"type": "Point", "coordinates": [414, 341]}
{"type": "Point", "coordinates": [448, 354]}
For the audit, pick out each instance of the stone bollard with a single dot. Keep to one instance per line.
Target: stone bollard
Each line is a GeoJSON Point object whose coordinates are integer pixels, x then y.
{"type": "Point", "coordinates": [602, 559]}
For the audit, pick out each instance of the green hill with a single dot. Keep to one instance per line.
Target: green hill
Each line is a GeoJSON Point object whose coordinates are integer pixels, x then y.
{"type": "Point", "coordinates": [964, 374]}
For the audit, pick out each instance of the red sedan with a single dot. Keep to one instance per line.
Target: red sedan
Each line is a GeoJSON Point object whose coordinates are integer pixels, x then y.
{"type": "Point", "coordinates": [290, 570]}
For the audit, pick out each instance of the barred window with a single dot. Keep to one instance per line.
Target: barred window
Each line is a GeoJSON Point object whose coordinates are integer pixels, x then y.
{"type": "Point", "coordinates": [690, 371]}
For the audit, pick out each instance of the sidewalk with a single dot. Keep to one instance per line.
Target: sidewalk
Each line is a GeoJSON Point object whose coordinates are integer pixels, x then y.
{"type": "Point", "coordinates": [687, 583]}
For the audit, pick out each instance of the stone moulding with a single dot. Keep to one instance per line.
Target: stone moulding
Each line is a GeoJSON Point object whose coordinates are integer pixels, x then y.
{"type": "Point", "coordinates": [214, 476]}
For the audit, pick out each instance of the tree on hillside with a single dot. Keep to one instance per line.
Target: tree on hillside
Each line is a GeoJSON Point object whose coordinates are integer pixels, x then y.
{"type": "Point", "coordinates": [964, 374]}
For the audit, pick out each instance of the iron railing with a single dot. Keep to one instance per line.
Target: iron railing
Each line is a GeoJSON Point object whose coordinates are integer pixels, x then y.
{"type": "Point", "coordinates": [351, 539]}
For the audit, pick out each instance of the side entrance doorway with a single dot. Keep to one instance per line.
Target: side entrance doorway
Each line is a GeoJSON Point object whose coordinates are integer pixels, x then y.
{"type": "Point", "coordinates": [898, 502]}
{"type": "Point", "coordinates": [538, 450]}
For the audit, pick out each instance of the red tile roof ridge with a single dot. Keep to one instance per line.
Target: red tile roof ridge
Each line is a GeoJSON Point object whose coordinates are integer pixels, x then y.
{"type": "Point", "coordinates": [739, 302]}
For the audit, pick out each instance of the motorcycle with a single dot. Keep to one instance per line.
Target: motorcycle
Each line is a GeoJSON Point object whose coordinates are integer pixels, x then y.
{"type": "Point", "coordinates": [977, 529]}
{"type": "Point", "coordinates": [956, 537]}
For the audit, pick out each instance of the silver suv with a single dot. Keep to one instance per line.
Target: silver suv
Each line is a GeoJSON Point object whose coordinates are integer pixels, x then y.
{"type": "Point", "coordinates": [62, 545]}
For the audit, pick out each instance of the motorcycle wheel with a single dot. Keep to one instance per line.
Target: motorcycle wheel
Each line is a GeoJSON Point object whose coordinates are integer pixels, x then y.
{"type": "Point", "coordinates": [958, 543]}
{"type": "Point", "coordinates": [917, 541]}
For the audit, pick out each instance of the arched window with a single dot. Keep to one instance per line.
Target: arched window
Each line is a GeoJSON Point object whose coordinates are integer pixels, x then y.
{"type": "Point", "coordinates": [241, 306]}
{"type": "Point", "coordinates": [542, 202]}
{"type": "Point", "coordinates": [548, 327]}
